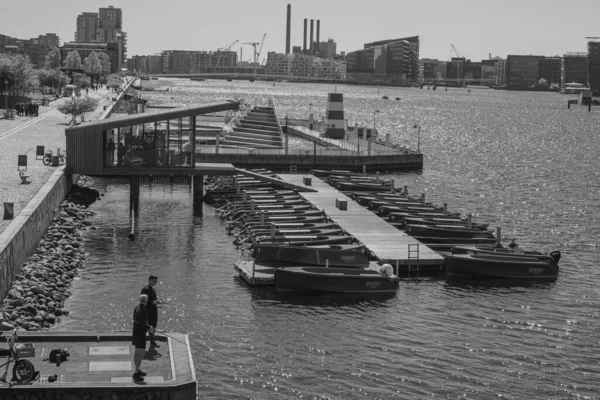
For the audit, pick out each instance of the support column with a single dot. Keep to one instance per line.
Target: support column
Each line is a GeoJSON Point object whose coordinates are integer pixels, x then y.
{"type": "Point", "coordinates": [193, 141]}
{"type": "Point", "coordinates": [198, 193]}
{"type": "Point", "coordinates": [134, 204]}
{"type": "Point", "coordinates": [287, 144]}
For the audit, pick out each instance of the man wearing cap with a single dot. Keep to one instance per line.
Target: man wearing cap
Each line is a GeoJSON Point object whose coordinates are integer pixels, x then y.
{"type": "Point", "coordinates": [152, 308]}
{"type": "Point", "coordinates": [140, 327]}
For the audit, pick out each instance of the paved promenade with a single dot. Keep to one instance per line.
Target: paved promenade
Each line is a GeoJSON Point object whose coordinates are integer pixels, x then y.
{"type": "Point", "coordinates": [21, 136]}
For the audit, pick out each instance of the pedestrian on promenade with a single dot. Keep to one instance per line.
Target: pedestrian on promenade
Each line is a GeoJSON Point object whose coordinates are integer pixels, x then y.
{"type": "Point", "coordinates": [140, 327]}
{"type": "Point", "coordinates": [152, 306]}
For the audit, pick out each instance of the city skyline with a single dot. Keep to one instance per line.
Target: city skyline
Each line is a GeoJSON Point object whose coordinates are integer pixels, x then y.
{"type": "Point", "coordinates": [477, 29]}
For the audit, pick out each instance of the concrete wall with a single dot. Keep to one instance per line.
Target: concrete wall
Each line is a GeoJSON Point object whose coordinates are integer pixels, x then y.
{"type": "Point", "coordinates": [21, 237]}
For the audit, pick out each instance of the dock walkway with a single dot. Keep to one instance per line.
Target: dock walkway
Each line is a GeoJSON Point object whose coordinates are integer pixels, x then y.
{"type": "Point", "coordinates": [382, 239]}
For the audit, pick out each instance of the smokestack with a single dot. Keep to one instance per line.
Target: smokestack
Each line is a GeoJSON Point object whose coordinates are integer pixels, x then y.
{"type": "Point", "coordinates": [304, 48]}
{"type": "Point", "coordinates": [318, 33]}
{"type": "Point", "coordinates": [312, 26]}
{"type": "Point", "coordinates": [288, 29]}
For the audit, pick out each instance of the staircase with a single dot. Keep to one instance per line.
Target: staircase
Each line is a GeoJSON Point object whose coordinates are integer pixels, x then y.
{"type": "Point", "coordinates": [258, 129]}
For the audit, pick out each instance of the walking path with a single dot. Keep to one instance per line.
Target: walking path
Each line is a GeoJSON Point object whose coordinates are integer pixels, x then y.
{"type": "Point", "coordinates": [21, 136]}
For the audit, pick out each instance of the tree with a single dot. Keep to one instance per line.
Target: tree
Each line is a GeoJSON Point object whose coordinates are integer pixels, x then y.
{"type": "Point", "coordinates": [20, 74]}
{"type": "Point", "coordinates": [51, 78]}
{"type": "Point", "coordinates": [92, 66]}
{"type": "Point", "coordinates": [81, 80]}
{"type": "Point", "coordinates": [76, 107]}
{"type": "Point", "coordinates": [52, 59]}
{"type": "Point", "coordinates": [114, 81]}
{"type": "Point", "coordinates": [106, 67]}
{"type": "Point", "coordinates": [73, 60]}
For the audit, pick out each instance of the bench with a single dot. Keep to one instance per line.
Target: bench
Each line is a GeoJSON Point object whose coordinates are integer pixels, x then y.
{"type": "Point", "coordinates": [23, 175]}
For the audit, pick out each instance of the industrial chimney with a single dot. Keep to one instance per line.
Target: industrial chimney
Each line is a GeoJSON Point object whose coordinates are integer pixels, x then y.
{"type": "Point", "coordinates": [312, 27]}
{"type": "Point", "coordinates": [288, 29]}
{"type": "Point", "coordinates": [318, 33]}
{"type": "Point", "coordinates": [304, 47]}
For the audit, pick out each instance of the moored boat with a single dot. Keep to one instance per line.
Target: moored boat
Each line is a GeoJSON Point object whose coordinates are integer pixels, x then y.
{"type": "Point", "coordinates": [333, 255]}
{"type": "Point", "coordinates": [500, 266]}
{"type": "Point", "coordinates": [336, 280]}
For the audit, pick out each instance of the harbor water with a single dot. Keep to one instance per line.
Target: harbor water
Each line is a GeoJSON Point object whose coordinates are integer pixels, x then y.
{"type": "Point", "coordinates": [518, 160]}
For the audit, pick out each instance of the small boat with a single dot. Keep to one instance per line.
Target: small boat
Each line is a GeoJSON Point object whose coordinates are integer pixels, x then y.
{"type": "Point", "coordinates": [300, 240]}
{"type": "Point", "coordinates": [289, 226]}
{"type": "Point", "coordinates": [448, 231]}
{"type": "Point", "coordinates": [336, 280]}
{"type": "Point", "coordinates": [286, 235]}
{"type": "Point", "coordinates": [333, 255]}
{"type": "Point", "coordinates": [385, 98]}
{"type": "Point", "coordinates": [501, 266]}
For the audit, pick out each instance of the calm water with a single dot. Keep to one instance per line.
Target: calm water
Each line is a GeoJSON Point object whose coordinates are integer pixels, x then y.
{"type": "Point", "coordinates": [520, 161]}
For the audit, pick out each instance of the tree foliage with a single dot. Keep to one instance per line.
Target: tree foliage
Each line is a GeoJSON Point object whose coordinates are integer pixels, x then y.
{"type": "Point", "coordinates": [114, 81]}
{"type": "Point", "coordinates": [78, 107]}
{"type": "Point", "coordinates": [73, 60]}
{"type": "Point", "coordinates": [51, 78]}
{"type": "Point", "coordinates": [92, 66]}
{"type": "Point", "coordinates": [105, 64]}
{"type": "Point", "coordinates": [20, 74]}
{"type": "Point", "coordinates": [82, 80]}
{"type": "Point", "coordinates": [52, 59]}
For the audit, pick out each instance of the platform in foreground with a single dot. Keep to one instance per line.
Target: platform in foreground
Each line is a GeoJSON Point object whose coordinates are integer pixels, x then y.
{"type": "Point", "coordinates": [102, 364]}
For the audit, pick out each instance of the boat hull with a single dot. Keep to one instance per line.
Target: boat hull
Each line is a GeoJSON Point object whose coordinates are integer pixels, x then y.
{"type": "Point", "coordinates": [333, 280]}
{"type": "Point", "coordinates": [491, 266]}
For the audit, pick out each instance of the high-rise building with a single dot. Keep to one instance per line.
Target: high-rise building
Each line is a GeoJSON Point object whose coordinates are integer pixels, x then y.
{"type": "Point", "coordinates": [394, 61]}
{"type": "Point", "coordinates": [110, 29]}
{"type": "Point", "coordinates": [455, 69]}
{"type": "Point", "coordinates": [86, 28]}
{"type": "Point", "coordinates": [327, 49]}
{"type": "Point", "coordinates": [550, 71]}
{"type": "Point", "coordinates": [594, 65]}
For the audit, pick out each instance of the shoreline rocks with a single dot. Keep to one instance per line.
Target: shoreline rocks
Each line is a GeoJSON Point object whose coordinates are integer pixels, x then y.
{"type": "Point", "coordinates": [36, 298]}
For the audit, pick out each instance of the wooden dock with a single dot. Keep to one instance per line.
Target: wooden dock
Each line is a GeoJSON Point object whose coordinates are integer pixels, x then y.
{"type": "Point", "coordinates": [383, 240]}
{"type": "Point", "coordinates": [255, 274]}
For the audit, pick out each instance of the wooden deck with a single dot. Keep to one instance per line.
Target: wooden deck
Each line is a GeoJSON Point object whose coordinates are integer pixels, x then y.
{"type": "Point", "coordinates": [382, 239]}
{"type": "Point", "coordinates": [255, 274]}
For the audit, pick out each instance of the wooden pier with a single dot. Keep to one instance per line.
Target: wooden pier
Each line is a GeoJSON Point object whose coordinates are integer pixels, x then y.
{"type": "Point", "coordinates": [384, 241]}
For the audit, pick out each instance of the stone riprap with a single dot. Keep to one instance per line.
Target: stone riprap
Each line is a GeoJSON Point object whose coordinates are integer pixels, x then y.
{"type": "Point", "coordinates": [37, 295]}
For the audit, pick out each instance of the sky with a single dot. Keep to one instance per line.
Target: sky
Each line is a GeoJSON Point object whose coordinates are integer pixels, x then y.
{"type": "Point", "coordinates": [477, 28]}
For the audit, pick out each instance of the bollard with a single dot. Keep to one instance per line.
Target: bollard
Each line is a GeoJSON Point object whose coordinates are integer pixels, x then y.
{"type": "Point", "coordinates": [568, 104]}
{"type": "Point", "coordinates": [498, 237]}
{"type": "Point", "coordinates": [445, 208]}
{"type": "Point", "coordinates": [9, 210]}
{"type": "Point", "coordinates": [252, 206]}
{"type": "Point", "coordinates": [590, 106]}
{"type": "Point", "coordinates": [377, 176]}
{"type": "Point", "coordinates": [469, 221]}
{"type": "Point", "coordinates": [364, 170]}
{"type": "Point", "coordinates": [272, 231]}
{"type": "Point", "coordinates": [262, 217]}
{"type": "Point", "coordinates": [422, 199]}
{"type": "Point", "coordinates": [393, 186]}
{"type": "Point", "coordinates": [245, 197]}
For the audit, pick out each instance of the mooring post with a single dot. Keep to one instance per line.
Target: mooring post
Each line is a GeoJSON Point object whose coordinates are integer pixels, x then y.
{"type": "Point", "coordinates": [590, 106]}
{"type": "Point", "coordinates": [393, 186]}
{"type": "Point", "coordinates": [469, 221]}
{"type": "Point", "coordinates": [327, 263]}
{"type": "Point", "coordinates": [198, 183]}
{"type": "Point", "coordinates": [272, 231]}
{"type": "Point", "coordinates": [445, 208]}
{"type": "Point", "coordinates": [397, 267]}
{"type": "Point", "coordinates": [287, 144]}
{"type": "Point", "coordinates": [377, 176]}
{"type": "Point", "coordinates": [134, 199]}
{"type": "Point", "coordinates": [252, 206]}
{"type": "Point", "coordinates": [422, 199]}
{"type": "Point", "coordinates": [568, 104]}
{"type": "Point", "coordinates": [364, 170]}
{"type": "Point", "coordinates": [262, 217]}
{"type": "Point", "coordinates": [245, 196]}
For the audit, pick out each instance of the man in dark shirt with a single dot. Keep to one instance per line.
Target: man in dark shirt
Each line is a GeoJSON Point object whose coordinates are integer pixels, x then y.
{"type": "Point", "coordinates": [152, 306]}
{"type": "Point", "coordinates": [140, 327]}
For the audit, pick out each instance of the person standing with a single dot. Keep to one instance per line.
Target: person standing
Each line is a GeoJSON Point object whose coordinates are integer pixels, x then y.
{"type": "Point", "coordinates": [140, 327]}
{"type": "Point", "coordinates": [152, 306]}
{"type": "Point", "coordinates": [111, 152]}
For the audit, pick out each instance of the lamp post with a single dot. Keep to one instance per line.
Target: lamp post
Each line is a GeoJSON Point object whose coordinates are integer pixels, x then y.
{"type": "Point", "coordinates": [418, 137]}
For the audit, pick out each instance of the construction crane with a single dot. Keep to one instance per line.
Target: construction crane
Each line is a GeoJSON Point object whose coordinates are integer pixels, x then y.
{"type": "Point", "coordinates": [220, 50]}
{"type": "Point", "coordinates": [257, 53]}
{"type": "Point", "coordinates": [459, 55]}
